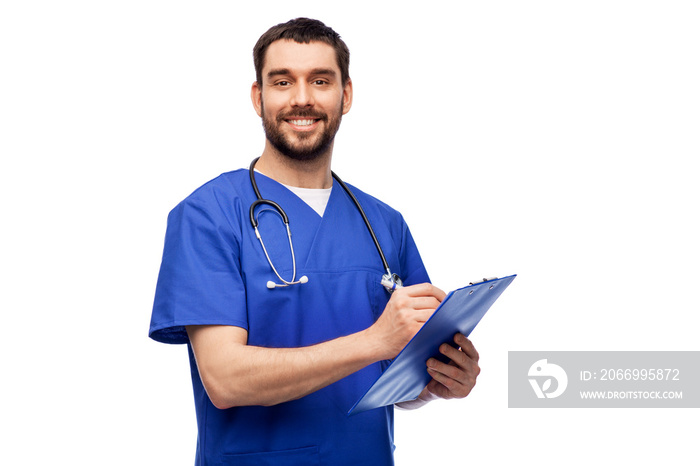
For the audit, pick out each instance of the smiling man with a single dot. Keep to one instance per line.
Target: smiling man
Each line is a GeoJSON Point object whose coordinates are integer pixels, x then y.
{"type": "Point", "coordinates": [272, 279]}
{"type": "Point", "coordinates": [303, 105]}
{"type": "Point", "coordinates": [301, 94]}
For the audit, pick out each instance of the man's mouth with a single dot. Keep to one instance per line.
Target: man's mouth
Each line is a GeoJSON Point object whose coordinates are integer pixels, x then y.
{"type": "Point", "coordinates": [306, 122]}
{"type": "Point", "coordinates": [303, 123]}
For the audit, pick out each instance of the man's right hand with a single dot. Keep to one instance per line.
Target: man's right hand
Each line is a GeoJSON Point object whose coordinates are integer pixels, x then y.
{"type": "Point", "coordinates": [404, 315]}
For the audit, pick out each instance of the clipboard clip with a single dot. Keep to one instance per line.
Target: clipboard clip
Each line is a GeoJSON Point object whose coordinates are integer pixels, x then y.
{"type": "Point", "coordinates": [483, 280]}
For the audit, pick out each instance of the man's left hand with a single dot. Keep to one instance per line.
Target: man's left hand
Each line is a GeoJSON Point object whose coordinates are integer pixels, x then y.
{"type": "Point", "coordinates": [456, 378]}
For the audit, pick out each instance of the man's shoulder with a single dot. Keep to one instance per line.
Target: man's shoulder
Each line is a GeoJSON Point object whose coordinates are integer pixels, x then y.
{"type": "Point", "coordinates": [370, 202]}
{"type": "Point", "coordinates": [226, 185]}
{"type": "Point", "coordinates": [228, 182]}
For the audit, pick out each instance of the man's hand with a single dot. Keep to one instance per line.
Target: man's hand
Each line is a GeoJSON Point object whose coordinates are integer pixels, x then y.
{"type": "Point", "coordinates": [405, 313]}
{"type": "Point", "coordinates": [456, 378]}
{"type": "Point", "coordinates": [452, 380]}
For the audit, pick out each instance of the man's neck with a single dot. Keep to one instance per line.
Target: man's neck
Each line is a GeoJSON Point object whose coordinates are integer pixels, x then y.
{"type": "Point", "coordinates": [313, 174]}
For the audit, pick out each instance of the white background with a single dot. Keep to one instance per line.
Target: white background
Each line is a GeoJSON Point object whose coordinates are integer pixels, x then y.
{"type": "Point", "coordinates": [552, 139]}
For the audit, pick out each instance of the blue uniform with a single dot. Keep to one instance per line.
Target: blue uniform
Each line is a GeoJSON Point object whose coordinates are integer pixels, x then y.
{"type": "Point", "coordinates": [214, 272]}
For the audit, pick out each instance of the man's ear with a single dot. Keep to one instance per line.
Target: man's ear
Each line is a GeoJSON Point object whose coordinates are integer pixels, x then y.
{"type": "Point", "coordinates": [347, 97]}
{"type": "Point", "coordinates": [256, 97]}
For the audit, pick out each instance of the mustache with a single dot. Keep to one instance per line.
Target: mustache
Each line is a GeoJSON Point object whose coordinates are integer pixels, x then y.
{"type": "Point", "coordinates": [302, 114]}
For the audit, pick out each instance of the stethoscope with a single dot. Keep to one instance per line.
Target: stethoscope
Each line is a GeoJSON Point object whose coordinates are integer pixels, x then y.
{"type": "Point", "coordinates": [390, 281]}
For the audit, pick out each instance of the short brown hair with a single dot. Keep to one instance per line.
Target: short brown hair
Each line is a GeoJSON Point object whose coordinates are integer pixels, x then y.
{"type": "Point", "coordinates": [303, 31]}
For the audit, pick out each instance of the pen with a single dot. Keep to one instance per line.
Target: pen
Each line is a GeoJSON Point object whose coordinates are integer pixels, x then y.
{"type": "Point", "coordinates": [390, 285]}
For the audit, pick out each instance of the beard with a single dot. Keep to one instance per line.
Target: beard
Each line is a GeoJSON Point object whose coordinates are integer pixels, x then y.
{"type": "Point", "coordinates": [308, 146]}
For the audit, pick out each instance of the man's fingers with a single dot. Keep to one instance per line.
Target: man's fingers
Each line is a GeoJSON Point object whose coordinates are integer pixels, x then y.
{"type": "Point", "coordinates": [425, 290]}
{"type": "Point", "coordinates": [456, 378]}
{"type": "Point", "coordinates": [447, 386]}
{"type": "Point", "coordinates": [422, 315]}
{"type": "Point", "coordinates": [467, 346]}
{"type": "Point", "coordinates": [425, 304]}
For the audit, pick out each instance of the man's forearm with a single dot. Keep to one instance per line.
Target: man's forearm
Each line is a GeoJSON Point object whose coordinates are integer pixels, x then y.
{"type": "Point", "coordinates": [235, 374]}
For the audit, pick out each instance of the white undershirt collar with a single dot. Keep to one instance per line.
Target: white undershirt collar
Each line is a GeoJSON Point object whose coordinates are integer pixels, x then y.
{"type": "Point", "coordinates": [317, 199]}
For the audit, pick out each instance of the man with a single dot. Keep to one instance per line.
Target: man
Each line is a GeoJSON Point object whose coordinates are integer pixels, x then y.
{"type": "Point", "coordinates": [276, 366]}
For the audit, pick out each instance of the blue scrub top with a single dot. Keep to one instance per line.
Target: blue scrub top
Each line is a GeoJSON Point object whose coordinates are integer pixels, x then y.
{"type": "Point", "coordinates": [214, 272]}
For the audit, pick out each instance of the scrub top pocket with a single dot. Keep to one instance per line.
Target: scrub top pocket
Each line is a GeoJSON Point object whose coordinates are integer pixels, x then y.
{"type": "Point", "coordinates": [307, 456]}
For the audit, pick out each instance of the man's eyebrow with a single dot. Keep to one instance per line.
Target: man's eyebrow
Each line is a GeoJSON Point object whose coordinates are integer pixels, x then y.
{"type": "Point", "coordinates": [278, 72]}
{"type": "Point", "coordinates": [323, 72]}
{"type": "Point", "coordinates": [314, 72]}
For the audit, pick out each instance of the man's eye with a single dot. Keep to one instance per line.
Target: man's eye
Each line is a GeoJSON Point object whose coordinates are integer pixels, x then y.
{"type": "Point", "coordinates": [320, 82]}
{"type": "Point", "coordinates": [283, 83]}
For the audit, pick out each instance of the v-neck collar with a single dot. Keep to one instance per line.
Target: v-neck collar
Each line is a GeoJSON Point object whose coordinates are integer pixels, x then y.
{"type": "Point", "coordinates": [284, 191]}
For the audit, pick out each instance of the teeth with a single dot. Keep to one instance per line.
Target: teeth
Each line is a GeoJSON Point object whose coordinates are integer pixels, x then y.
{"type": "Point", "coordinates": [302, 122]}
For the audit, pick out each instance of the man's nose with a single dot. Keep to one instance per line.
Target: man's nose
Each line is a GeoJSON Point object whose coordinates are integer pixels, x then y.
{"type": "Point", "coordinates": [302, 96]}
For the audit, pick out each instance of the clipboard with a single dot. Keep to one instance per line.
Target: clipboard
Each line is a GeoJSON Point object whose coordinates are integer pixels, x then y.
{"type": "Point", "coordinates": [406, 376]}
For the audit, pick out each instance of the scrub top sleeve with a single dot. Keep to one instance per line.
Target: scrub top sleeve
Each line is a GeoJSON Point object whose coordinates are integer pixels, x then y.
{"type": "Point", "coordinates": [199, 282]}
{"type": "Point", "coordinates": [411, 263]}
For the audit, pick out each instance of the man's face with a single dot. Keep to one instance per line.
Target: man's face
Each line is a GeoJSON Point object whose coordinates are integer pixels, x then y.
{"type": "Point", "coordinates": [301, 99]}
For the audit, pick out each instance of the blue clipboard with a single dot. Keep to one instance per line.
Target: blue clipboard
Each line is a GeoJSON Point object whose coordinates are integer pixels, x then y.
{"type": "Point", "coordinates": [406, 376]}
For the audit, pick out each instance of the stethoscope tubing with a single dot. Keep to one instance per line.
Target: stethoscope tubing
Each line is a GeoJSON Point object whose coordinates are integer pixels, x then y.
{"type": "Point", "coordinates": [366, 220]}
{"type": "Point", "coordinates": [285, 219]}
